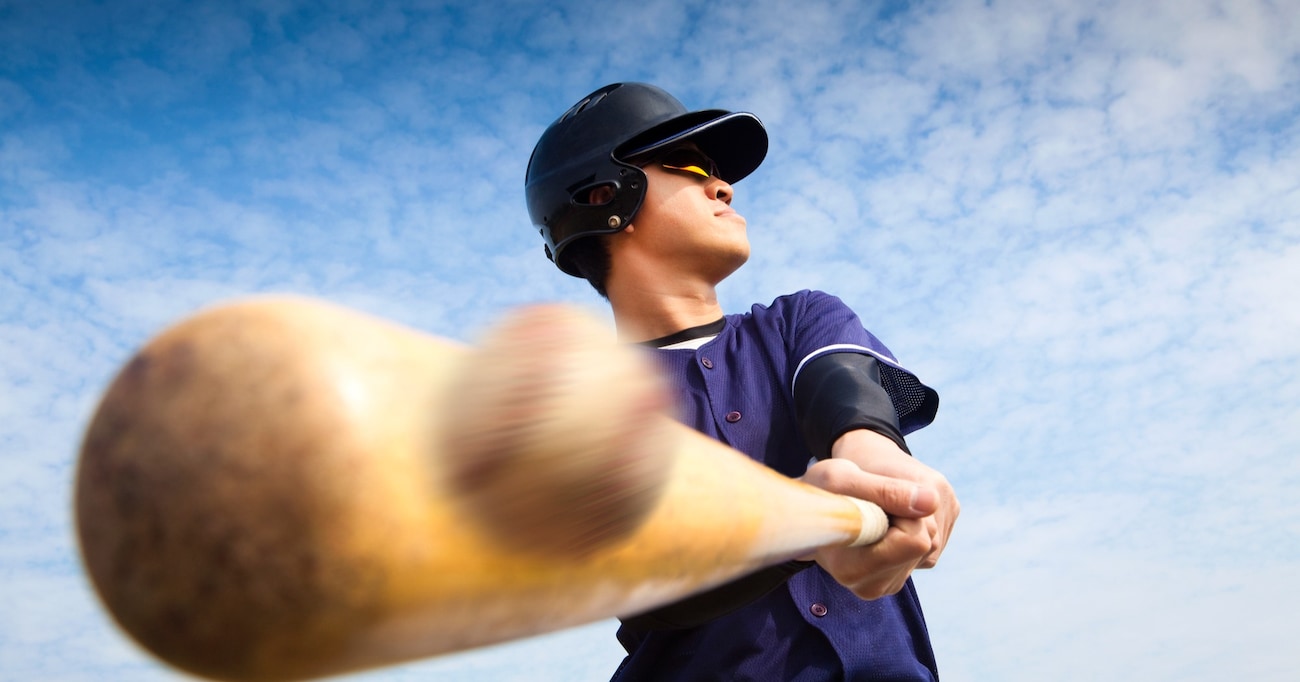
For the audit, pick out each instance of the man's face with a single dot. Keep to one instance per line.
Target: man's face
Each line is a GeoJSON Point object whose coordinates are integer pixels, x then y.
{"type": "Point", "coordinates": [687, 220]}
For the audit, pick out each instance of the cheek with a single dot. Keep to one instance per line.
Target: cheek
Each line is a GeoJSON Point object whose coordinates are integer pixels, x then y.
{"type": "Point", "coordinates": [649, 211]}
{"type": "Point", "coordinates": [677, 203]}
{"type": "Point", "coordinates": [671, 203]}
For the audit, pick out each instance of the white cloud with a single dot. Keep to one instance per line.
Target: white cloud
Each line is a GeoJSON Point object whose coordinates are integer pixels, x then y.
{"type": "Point", "coordinates": [1080, 222]}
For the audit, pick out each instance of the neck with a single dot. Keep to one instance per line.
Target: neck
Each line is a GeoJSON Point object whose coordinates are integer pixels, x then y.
{"type": "Point", "coordinates": [642, 313]}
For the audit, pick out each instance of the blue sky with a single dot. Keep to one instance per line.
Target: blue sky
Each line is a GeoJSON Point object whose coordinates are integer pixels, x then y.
{"type": "Point", "coordinates": [1079, 221]}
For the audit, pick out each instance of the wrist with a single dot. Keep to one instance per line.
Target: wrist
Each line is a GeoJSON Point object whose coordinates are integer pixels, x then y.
{"type": "Point", "coordinates": [864, 446]}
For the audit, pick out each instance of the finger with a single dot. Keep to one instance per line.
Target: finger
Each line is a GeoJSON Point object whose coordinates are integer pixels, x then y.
{"type": "Point", "coordinates": [903, 547]}
{"type": "Point", "coordinates": [884, 568]}
{"type": "Point", "coordinates": [898, 497]}
{"type": "Point", "coordinates": [938, 540]}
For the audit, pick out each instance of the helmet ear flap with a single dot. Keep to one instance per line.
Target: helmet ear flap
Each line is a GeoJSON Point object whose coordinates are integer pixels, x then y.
{"type": "Point", "coordinates": [620, 198]}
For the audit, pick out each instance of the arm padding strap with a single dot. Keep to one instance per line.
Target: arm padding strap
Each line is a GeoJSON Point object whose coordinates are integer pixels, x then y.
{"type": "Point", "coordinates": [839, 392]}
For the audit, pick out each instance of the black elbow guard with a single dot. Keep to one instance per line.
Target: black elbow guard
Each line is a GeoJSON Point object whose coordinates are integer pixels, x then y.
{"type": "Point", "coordinates": [839, 392]}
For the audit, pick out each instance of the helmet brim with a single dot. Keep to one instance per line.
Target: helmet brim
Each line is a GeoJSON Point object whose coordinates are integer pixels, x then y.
{"type": "Point", "coordinates": [736, 141]}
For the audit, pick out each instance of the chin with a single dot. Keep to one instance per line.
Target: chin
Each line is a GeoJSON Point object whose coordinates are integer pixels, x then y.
{"type": "Point", "coordinates": [733, 263]}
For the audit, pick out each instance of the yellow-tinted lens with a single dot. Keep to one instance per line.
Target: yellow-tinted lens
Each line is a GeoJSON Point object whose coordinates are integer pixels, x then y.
{"type": "Point", "coordinates": [689, 169]}
{"type": "Point", "coordinates": [690, 161]}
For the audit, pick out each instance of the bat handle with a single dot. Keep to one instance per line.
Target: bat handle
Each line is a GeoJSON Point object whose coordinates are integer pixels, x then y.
{"type": "Point", "coordinates": [874, 522]}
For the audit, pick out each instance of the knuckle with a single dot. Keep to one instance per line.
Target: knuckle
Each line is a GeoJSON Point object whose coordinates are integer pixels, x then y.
{"type": "Point", "coordinates": [829, 474]}
{"type": "Point", "coordinates": [918, 544]}
{"type": "Point", "coordinates": [833, 477]}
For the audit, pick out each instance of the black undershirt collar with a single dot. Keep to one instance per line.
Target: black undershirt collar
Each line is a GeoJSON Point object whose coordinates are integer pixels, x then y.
{"type": "Point", "coordinates": [710, 329]}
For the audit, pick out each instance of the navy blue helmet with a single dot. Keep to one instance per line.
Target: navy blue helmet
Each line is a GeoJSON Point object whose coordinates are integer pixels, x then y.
{"type": "Point", "coordinates": [596, 143]}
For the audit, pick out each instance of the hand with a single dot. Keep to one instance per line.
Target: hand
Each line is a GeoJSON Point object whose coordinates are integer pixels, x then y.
{"type": "Point", "coordinates": [876, 454]}
{"type": "Point", "coordinates": [919, 500]}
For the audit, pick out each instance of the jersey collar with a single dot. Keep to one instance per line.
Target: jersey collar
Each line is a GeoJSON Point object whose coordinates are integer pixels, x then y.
{"type": "Point", "coordinates": [693, 337]}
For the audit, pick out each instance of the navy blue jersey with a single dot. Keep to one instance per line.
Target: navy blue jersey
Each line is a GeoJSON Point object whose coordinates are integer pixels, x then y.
{"type": "Point", "coordinates": [738, 388]}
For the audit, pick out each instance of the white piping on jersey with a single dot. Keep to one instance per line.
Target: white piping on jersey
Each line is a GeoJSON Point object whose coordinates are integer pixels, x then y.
{"type": "Point", "coordinates": [689, 344]}
{"type": "Point", "coordinates": [839, 348]}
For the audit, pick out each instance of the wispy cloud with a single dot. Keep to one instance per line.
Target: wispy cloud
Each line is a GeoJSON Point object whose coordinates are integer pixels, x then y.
{"type": "Point", "coordinates": [1081, 222]}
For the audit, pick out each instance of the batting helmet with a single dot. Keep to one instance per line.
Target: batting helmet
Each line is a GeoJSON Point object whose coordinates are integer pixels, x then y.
{"type": "Point", "coordinates": [589, 147]}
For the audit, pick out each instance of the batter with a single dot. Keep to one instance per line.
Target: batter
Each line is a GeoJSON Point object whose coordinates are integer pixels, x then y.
{"type": "Point", "coordinates": [632, 192]}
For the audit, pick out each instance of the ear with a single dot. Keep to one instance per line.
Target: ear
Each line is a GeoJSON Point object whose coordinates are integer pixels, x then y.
{"type": "Point", "coordinates": [599, 196]}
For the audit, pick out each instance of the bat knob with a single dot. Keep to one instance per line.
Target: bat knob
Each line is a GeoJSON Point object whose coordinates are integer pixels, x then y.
{"type": "Point", "coordinates": [558, 433]}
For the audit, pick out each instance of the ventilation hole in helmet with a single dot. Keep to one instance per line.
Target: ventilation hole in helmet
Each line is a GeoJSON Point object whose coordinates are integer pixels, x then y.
{"type": "Point", "coordinates": [596, 195]}
{"type": "Point", "coordinates": [590, 101]}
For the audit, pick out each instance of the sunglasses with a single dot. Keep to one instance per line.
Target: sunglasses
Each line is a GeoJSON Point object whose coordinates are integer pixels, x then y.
{"type": "Point", "coordinates": [687, 160]}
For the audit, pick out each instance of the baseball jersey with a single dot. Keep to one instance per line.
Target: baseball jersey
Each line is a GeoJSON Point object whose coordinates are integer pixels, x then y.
{"type": "Point", "coordinates": [737, 387]}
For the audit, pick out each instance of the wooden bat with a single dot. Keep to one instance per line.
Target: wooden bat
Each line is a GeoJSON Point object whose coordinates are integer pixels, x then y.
{"type": "Point", "coordinates": [281, 489]}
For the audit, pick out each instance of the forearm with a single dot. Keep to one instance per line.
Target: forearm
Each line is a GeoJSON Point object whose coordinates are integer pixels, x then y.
{"type": "Point", "coordinates": [868, 449]}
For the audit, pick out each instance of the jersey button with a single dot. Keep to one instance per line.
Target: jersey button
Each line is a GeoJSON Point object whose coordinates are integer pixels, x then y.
{"type": "Point", "coordinates": [733, 417]}
{"type": "Point", "coordinates": [818, 610]}
{"type": "Point", "coordinates": [708, 364]}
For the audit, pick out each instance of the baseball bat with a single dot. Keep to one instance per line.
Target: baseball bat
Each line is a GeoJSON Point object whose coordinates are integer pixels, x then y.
{"type": "Point", "coordinates": [281, 488]}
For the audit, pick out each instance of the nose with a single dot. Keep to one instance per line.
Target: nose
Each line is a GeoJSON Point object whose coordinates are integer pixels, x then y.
{"type": "Point", "coordinates": [721, 189]}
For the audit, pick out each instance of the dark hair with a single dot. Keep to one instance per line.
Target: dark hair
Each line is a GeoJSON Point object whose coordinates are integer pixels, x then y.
{"type": "Point", "coordinates": [590, 257]}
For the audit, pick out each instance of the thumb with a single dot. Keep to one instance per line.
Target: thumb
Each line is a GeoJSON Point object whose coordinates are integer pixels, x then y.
{"type": "Point", "coordinates": [897, 497]}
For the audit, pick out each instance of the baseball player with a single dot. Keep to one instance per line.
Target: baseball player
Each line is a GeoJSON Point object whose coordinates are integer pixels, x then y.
{"type": "Point", "coordinates": [633, 192]}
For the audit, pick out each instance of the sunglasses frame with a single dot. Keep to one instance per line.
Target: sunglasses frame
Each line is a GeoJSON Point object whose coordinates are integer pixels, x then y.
{"type": "Point", "coordinates": [692, 166]}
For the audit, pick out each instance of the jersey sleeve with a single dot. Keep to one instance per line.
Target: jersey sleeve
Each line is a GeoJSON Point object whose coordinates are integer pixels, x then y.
{"type": "Point", "coordinates": [819, 324]}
